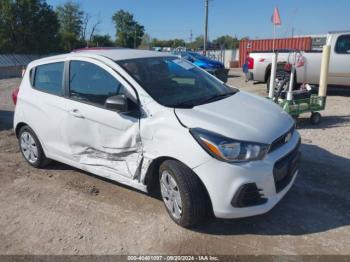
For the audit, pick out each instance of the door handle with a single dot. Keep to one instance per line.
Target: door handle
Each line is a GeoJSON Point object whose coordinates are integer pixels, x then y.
{"type": "Point", "coordinates": [75, 113]}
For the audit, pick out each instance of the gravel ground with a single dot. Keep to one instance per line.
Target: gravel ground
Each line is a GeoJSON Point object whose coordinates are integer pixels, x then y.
{"type": "Point", "coordinates": [61, 210]}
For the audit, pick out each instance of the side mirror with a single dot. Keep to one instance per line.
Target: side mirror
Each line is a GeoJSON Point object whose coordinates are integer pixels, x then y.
{"type": "Point", "coordinates": [118, 103]}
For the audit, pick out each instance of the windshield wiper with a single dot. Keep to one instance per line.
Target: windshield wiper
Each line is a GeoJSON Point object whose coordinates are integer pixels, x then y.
{"type": "Point", "coordinates": [217, 97]}
{"type": "Point", "coordinates": [196, 102]}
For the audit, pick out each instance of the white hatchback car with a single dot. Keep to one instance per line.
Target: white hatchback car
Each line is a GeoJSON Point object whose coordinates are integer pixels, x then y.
{"type": "Point", "coordinates": [150, 120]}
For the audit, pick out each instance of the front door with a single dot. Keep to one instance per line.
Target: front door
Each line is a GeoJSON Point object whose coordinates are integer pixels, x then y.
{"type": "Point", "coordinates": [339, 62]}
{"type": "Point", "coordinates": [98, 137]}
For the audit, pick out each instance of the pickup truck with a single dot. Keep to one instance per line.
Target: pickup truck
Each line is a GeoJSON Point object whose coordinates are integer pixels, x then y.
{"type": "Point", "coordinates": [308, 69]}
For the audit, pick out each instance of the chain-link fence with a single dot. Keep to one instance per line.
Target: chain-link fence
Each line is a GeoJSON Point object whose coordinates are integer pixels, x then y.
{"type": "Point", "coordinates": [225, 56]}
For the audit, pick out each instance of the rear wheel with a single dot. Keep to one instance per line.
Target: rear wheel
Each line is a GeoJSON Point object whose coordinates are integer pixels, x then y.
{"type": "Point", "coordinates": [315, 118]}
{"type": "Point", "coordinates": [268, 84]}
{"type": "Point", "coordinates": [183, 194]}
{"type": "Point", "coordinates": [31, 148]}
{"type": "Point", "coordinates": [295, 84]}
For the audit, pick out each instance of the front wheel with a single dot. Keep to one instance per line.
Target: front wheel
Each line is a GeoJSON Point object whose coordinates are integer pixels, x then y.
{"type": "Point", "coordinates": [183, 194]}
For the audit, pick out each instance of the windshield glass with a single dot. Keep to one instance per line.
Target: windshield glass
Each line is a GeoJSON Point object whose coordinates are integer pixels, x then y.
{"type": "Point", "coordinates": [174, 82]}
{"type": "Point", "coordinates": [198, 56]}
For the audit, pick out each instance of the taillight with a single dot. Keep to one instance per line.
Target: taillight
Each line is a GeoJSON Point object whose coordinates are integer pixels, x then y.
{"type": "Point", "coordinates": [288, 67]}
{"type": "Point", "coordinates": [250, 63]}
{"type": "Point", "coordinates": [14, 95]}
{"type": "Point", "coordinates": [300, 61]}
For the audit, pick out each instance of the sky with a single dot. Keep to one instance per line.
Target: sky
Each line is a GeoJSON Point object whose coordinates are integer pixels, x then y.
{"type": "Point", "coordinates": [167, 19]}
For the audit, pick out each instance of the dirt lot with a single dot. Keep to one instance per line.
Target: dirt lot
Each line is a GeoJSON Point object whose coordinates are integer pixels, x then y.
{"type": "Point", "coordinates": [61, 210]}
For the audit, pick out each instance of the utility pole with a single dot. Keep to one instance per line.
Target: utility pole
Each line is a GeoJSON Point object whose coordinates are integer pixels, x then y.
{"type": "Point", "coordinates": [206, 27]}
{"type": "Point", "coordinates": [191, 36]}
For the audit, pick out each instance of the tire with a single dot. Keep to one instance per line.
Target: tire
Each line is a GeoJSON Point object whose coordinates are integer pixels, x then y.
{"type": "Point", "coordinates": [31, 148]}
{"type": "Point", "coordinates": [296, 86]}
{"type": "Point", "coordinates": [296, 118]}
{"type": "Point", "coordinates": [195, 203]}
{"type": "Point", "coordinates": [268, 85]}
{"type": "Point", "coordinates": [315, 118]}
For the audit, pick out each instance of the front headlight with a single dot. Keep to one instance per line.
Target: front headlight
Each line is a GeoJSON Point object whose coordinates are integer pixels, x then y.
{"type": "Point", "coordinates": [228, 149]}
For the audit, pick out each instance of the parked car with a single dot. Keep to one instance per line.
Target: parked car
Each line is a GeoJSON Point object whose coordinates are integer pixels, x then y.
{"type": "Point", "coordinates": [310, 62]}
{"type": "Point", "coordinates": [153, 121]}
{"type": "Point", "coordinates": [211, 66]}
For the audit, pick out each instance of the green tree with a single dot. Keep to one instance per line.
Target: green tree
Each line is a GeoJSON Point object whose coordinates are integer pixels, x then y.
{"type": "Point", "coordinates": [71, 19]}
{"type": "Point", "coordinates": [28, 26]}
{"type": "Point", "coordinates": [101, 41]}
{"type": "Point", "coordinates": [174, 43]}
{"type": "Point", "coordinates": [178, 43]}
{"type": "Point", "coordinates": [129, 33]}
{"type": "Point", "coordinates": [146, 41]}
{"type": "Point", "coordinates": [197, 43]}
{"type": "Point", "coordinates": [156, 43]}
{"type": "Point", "coordinates": [226, 42]}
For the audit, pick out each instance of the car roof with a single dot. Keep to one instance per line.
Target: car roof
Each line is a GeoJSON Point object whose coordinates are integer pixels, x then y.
{"type": "Point", "coordinates": [120, 54]}
{"type": "Point", "coordinates": [114, 54]}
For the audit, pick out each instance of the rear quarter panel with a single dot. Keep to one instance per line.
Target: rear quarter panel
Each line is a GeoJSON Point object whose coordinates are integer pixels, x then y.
{"type": "Point", "coordinates": [310, 72]}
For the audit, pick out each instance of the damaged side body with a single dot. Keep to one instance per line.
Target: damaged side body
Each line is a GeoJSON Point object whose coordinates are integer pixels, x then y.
{"type": "Point", "coordinates": [128, 145]}
{"type": "Point", "coordinates": [121, 146]}
{"type": "Point", "coordinates": [115, 147]}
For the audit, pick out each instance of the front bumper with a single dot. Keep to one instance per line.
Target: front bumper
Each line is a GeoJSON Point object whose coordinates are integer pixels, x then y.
{"type": "Point", "coordinates": [223, 181]}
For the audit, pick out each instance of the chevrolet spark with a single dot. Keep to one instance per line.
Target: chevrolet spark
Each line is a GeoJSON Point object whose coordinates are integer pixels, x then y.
{"type": "Point", "coordinates": [156, 122]}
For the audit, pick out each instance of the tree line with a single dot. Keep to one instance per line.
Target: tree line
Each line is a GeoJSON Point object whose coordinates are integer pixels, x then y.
{"type": "Point", "coordinates": [33, 26]}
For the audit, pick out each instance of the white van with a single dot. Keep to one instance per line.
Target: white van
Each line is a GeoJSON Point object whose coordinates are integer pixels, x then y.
{"type": "Point", "coordinates": [154, 121]}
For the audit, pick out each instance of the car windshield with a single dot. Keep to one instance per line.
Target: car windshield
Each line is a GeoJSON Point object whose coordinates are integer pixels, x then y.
{"type": "Point", "coordinates": [198, 56]}
{"type": "Point", "coordinates": [174, 82]}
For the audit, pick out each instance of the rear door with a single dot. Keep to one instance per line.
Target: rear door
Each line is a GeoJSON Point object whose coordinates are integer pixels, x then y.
{"type": "Point", "coordinates": [96, 136]}
{"type": "Point", "coordinates": [339, 70]}
{"type": "Point", "coordinates": [45, 106]}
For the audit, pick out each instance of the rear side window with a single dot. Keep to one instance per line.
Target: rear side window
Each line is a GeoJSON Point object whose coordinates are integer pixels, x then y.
{"type": "Point", "coordinates": [90, 83]}
{"type": "Point", "coordinates": [343, 44]}
{"type": "Point", "coordinates": [49, 77]}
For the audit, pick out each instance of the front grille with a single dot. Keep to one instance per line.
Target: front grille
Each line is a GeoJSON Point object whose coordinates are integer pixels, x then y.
{"type": "Point", "coordinates": [248, 195]}
{"type": "Point", "coordinates": [285, 168]}
{"type": "Point", "coordinates": [281, 140]}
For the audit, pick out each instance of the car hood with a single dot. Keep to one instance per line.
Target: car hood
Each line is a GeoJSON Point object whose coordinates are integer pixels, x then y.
{"type": "Point", "coordinates": [242, 116]}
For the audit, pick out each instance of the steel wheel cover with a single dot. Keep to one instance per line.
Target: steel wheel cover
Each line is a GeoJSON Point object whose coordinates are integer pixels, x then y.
{"type": "Point", "coordinates": [29, 147]}
{"type": "Point", "coordinates": [171, 194]}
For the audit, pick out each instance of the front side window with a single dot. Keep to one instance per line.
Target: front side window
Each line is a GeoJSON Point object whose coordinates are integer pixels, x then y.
{"type": "Point", "coordinates": [90, 83]}
{"type": "Point", "coordinates": [175, 82]}
{"type": "Point", "coordinates": [49, 78]}
{"type": "Point", "coordinates": [343, 44]}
